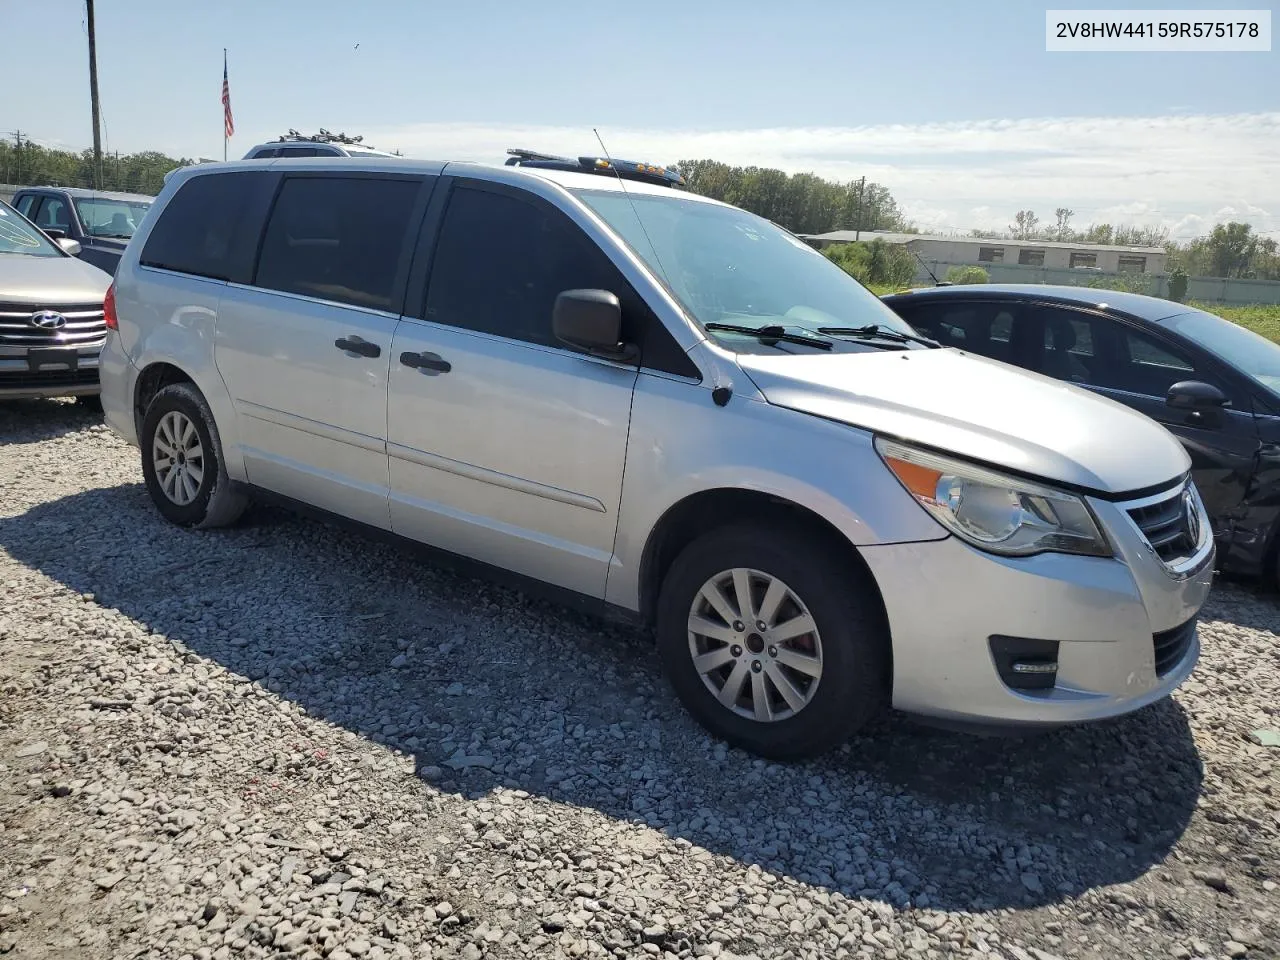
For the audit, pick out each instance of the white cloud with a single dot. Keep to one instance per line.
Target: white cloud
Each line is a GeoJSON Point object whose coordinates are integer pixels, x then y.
{"type": "Point", "coordinates": [1181, 171]}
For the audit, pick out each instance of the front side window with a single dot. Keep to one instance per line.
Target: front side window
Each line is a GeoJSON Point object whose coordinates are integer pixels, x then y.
{"type": "Point", "coordinates": [501, 262]}
{"type": "Point", "coordinates": [338, 238]}
{"type": "Point", "coordinates": [18, 237]}
{"type": "Point", "coordinates": [1255, 356]}
{"type": "Point", "coordinates": [118, 219]}
{"type": "Point", "coordinates": [724, 265]}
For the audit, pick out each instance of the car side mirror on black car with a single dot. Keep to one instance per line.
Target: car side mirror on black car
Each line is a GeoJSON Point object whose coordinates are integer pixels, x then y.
{"type": "Point", "coordinates": [1203, 402]}
{"type": "Point", "coordinates": [591, 321]}
{"type": "Point", "coordinates": [1196, 395]}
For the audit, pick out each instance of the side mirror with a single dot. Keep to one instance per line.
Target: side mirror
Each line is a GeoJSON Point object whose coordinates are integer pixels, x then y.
{"type": "Point", "coordinates": [1194, 395]}
{"type": "Point", "coordinates": [70, 246]}
{"type": "Point", "coordinates": [1203, 402]}
{"type": "Point", "coordinates": [591, 321]}
{"type": "Point", "coordinates": [54, 233]}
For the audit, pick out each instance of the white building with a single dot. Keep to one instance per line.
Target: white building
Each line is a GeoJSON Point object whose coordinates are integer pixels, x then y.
{"type": "Point", "coordinates": [1050, 254]}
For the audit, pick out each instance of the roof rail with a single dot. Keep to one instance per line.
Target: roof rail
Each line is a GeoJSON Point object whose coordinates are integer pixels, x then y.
{"type": "Point", "coordinates": [627, 169]}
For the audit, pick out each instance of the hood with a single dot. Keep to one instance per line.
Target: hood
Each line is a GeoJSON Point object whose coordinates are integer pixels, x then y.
{"type": "Point", "coordinates": [50, 281]}
{"type": "Point", "coordinates": [978, 409]}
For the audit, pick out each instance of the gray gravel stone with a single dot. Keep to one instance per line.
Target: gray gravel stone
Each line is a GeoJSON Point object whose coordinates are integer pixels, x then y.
{"type": "Point", "coordinates": [241, 731]}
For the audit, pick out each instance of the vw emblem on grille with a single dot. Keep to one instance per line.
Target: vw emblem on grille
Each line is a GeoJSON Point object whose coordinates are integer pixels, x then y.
{"type": "Point", "coordinates": [48, 320]}
{"type": "Point", "coordinates": [1191, 515]}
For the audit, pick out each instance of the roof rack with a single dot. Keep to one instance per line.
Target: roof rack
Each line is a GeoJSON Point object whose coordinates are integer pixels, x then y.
{"type": "Point", "coordinates": [324, 136]}
{"type": "Point", "coordinates": [627, 169]}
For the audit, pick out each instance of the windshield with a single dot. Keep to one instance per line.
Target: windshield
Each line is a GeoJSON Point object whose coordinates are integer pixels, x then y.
{"type": "Point", "coordinates": [18, 236]}
{"type": "Point", "coordinates": [111, 218]}
{"type": "Point", "coordinates": [725, 265]}
{"type": "Point", "coordinates": [1251, 354]}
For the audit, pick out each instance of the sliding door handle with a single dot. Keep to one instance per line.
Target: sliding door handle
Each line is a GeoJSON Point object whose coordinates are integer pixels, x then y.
{"type": "Point", "coordinates": [358, 346]}
{"type": "Point", "coordinates": [428, 363]}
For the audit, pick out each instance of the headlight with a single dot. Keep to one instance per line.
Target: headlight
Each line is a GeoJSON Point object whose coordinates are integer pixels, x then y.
{"type": "Point", "coordinates": [992, 511]}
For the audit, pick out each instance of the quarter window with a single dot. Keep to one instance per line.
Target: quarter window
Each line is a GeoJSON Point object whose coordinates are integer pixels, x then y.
{"type": "Point", "coordinates": [199, 230]}
{"type": "Point", "coordinates": [338, 238]}
{"type": "Point", "coordinates": [53, 214]}
{"type": "Point", "coordinates": [25, 204]}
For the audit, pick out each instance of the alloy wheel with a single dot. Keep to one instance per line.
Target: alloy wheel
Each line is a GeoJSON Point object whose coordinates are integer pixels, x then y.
{"type": "Point", "coordinates": [755, 645]}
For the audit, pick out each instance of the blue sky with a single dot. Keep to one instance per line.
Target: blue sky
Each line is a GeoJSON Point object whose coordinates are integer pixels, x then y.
{"type": "Point", "coordinates": [958, 108]}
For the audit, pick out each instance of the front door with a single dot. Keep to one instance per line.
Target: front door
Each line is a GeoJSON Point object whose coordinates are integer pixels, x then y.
{"type": "Point", "coordinates": [505, 446]}
{"type": "Point", "coordinates": [305, 348]}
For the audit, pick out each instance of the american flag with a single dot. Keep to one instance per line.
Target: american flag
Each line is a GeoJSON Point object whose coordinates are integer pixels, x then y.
{"type": "Point", "coordinates": [229, 125]}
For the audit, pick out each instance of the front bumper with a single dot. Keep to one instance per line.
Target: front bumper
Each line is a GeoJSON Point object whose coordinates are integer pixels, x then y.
{"type": "Point", "coordinates": [1110, 618]}
{"type": "Point", "coordinates": [49, 371]}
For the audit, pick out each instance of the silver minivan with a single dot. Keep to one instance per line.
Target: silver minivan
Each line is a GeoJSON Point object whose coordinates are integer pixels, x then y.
{"type": "Point", "coordinates": [657, 405]}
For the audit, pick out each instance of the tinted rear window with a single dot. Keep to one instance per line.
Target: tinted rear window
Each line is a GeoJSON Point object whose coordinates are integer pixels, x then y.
{"type": "Point", "coordinates": [199, 231]}
{"type": "Point", "coordinates": [338, 238]}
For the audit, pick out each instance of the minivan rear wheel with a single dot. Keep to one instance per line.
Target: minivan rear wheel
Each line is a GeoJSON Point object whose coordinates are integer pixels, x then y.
{"type": "Point", "coordinates": [182, 461]}
{"type": "Point", "coordinates": [773, 641]}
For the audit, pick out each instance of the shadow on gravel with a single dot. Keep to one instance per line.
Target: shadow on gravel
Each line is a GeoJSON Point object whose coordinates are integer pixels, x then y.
{"type": "Point", "coordinates": [31, 421]}
{"type": "Point", "coordinates": [485, 688]}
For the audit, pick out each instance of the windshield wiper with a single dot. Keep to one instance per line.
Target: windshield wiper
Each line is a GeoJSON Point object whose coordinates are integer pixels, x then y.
{"type": "Point", "coordinates": [771, 332]}
{"type": "Point", "coordinates": [875, 331]}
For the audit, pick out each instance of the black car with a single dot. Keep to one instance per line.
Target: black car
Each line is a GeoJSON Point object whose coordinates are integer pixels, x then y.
{"type": "Point", "coordinates": [1212, 383]}
{"type": "Point", "coordinates": [100, 222]}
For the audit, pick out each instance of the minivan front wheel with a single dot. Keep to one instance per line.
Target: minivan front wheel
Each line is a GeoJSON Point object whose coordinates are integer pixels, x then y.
{"type": "Point", "coordinates": [772, 641]}
{"type": "Point", "coordinates": [182, 461]}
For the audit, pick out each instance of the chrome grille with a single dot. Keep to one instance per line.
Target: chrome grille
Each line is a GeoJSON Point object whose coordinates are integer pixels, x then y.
{"type": "Point", "coordinates": [85, 325]}
{"type": "Point", "coordinates": [1170, 525]}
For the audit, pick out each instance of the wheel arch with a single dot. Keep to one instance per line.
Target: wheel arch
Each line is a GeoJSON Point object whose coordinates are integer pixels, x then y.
{"type": "Point", "coordinates": [707, 510]}
{"type": "Point", "coordinates": [153, 378]}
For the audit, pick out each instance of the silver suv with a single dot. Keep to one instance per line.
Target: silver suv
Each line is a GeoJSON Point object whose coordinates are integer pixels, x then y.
{"type": "Point", "coordinates": [661, 406]}
{"type": "Point", "coordinates": [324, 144]}
{"type": "Point", "coordinates": [51, 314]}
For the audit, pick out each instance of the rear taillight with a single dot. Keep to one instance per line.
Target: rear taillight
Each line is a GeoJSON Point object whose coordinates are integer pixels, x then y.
{"type": "Point", "coordinates": [109, 309]}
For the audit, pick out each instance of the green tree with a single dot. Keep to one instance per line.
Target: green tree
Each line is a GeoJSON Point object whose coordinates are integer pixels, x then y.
{"type": "Point", "coordinates": [36, 165]}
{"type": "Point", "coordinates": [1231, 248]}
{"type": "Point", "coordinates": [1025, 225]}
{"type": "Point", "coordinates": [1062, 229]}
{"type": "Point", "coordinates": [802, 202]}
{"type": "Point", "coordinates": [969, 274]}
{"type": "Point", "coordinates": [1178, 280]}
{"type": "Point", "coordinates": [874, 263]}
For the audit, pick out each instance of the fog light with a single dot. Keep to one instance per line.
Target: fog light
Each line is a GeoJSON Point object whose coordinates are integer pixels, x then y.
{"type": "Point", "coordinates": [1025, 663]}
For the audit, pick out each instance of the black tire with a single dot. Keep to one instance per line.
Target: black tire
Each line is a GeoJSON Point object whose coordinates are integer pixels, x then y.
{"type": "Point", "coordinates": [91, 402]}
{"type": "Point", "coordinates": [855, 644]}
{"type": "Point", "coordinates": [217, 503]}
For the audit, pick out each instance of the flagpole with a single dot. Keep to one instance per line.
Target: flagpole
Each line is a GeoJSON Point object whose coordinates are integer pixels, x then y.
{"type": "Point", "coordinates": [224, 109]}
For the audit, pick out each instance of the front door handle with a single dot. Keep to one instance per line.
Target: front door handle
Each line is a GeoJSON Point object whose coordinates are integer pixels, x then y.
{"type": "Point", "coordinates": [429, 363]}
{"type": "Point", "coordinates": [356, 345]}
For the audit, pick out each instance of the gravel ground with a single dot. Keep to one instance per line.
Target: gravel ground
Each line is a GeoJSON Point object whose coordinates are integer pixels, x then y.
{"type": "Point", "coordinates": [283, 739]}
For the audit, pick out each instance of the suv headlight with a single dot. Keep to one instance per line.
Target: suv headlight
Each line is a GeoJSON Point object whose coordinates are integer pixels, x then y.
{"type": "Point", "coordinates": [993, 511]}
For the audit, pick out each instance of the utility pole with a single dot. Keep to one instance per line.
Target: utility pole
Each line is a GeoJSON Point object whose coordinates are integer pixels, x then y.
{"type": "Point", "coordinates": [857, 227]}
{"type": "Point", "coordinates": [17, 136]}
{"type": "Point", "coordinates": [93, 96]}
